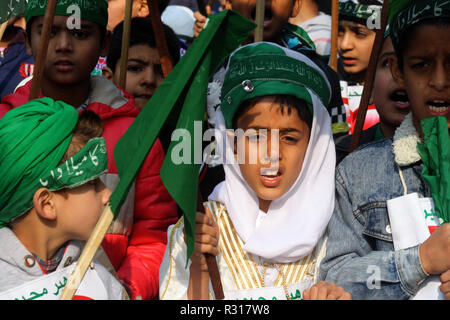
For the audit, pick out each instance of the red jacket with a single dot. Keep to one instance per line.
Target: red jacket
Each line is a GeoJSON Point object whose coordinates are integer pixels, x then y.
{"type": "Point", "coordinates": [136, 241]}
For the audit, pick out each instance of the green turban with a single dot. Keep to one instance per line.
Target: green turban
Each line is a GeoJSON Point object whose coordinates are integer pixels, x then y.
{"type": "Point", "coordinates": [33, 139]}
{"type": "Point", "coordinates": [268, 69]}
{"type": "Point", "coordinates": [90, 10]}
{"type": "Point", "coordinates": [406, 13]}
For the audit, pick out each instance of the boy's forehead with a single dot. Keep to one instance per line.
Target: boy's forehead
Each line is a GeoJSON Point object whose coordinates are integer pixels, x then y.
{"type": "Point", "coordinates": [63, 21]}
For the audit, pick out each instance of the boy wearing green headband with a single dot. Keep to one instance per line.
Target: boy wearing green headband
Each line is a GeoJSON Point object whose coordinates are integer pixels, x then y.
{"type": "Point", "coordinates": [136, 241]}
{"type": "Point", "coordinates": [266, 220]}
{"type": "Point", "coordinates": [51, 199]}
{"type": "Point", "coordinates": [389, 237]}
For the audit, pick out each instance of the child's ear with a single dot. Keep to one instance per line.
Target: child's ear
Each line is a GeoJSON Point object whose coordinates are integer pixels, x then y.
{"type": "Point", "coordinates": [44, 204]}
{"type": "Point", "coordinates": [396, 71]}
{"type": "Point", "coordinates": [108, 73]}
{"type": "Point", "coordinates": [142, 9]}
{"type": "Point", "coordinates": [296, 8]}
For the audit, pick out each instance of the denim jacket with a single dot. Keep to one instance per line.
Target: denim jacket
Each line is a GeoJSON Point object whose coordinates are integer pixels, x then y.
{"type": "Point", "coordinates": [360, 253]}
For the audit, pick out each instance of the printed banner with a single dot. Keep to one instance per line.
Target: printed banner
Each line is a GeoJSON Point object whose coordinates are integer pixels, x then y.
{"type": "Point", "coordinates": [412, 220]}
{"type": "Point", "coordinates": [50, 287]}
{"type": "Point", "coordinates": [295, 291]}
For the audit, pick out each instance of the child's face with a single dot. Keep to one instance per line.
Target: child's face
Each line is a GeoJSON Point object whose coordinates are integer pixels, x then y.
{"type": "Point", "coordinates": [355, 42]}
{"type": "Point", "coordinates": [292, 145]}
{"type": "Point", "coordinates": [426, 73]}
{"type": "Point", "coordinates": [389, 97]}
{"type": "Point", "coordinates": [277, 14]}
{"type": "Point", "coordinates": [72, 53]}
{"type": "Point", "coordinates": [80, 208]}
{"type": "Point", "coordinates": [144, 73]}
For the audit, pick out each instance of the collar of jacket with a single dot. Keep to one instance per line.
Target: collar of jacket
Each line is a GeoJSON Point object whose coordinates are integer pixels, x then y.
{"type": "Point", "coordinates": [405, 143]}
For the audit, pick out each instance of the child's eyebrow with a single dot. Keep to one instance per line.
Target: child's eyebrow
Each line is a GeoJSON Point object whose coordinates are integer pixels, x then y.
{"type": "Point", "coordinates": [137, 61]}
{"type": "Point", "coordinates": [283, 130]}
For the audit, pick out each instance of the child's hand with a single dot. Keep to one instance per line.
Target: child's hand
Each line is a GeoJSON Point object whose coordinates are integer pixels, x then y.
{"type": "Point", "coordinates": [435, 251]}
{"type": "Point", "coordinates": [445, 286]}
{"type": "Point", "coordinates": [326, 291]}
{"type": "Point", "coordinates": [206, 240]}
{"type": "Point", "coordinates": [200, 21]}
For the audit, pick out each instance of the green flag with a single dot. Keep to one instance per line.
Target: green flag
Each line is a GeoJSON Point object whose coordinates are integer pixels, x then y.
{"type": "Point", "coordinates": [181, 98]}
{"type": "Point", "coordinates": [12, 8]}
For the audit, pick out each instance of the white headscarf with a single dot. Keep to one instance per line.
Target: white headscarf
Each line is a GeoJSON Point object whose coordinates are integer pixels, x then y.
{"type": "Point", "coordinates": [297, 220]}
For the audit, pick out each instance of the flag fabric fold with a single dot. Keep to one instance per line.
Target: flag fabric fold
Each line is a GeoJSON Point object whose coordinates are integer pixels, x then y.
{"type": "Point", "coordinates": [180, 100]}
{"type": "Point", "coordinates": [12, 8]}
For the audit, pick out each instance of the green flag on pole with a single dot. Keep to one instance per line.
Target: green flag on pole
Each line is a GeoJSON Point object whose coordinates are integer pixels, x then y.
{"type": "Point", "coordinates": [11, 8]}
{"type": "Point", "coordinates": [180, 99]}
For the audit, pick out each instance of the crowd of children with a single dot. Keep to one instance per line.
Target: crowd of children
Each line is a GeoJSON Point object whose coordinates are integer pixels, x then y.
{"type": "Point", "coordinates": [290, 212]}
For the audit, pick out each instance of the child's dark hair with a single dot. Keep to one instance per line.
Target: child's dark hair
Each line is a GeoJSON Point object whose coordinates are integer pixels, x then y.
{"type": "Point", "coordinates": [141, 33]}
{"type": "Point", "coordinates": [406, 38]}
{"type": "Point", "coordinates": [286, 102]}
{"type": "Point", "coordinates": [89, 126]}
{"type": "Point", "coordinates": [30, 23]}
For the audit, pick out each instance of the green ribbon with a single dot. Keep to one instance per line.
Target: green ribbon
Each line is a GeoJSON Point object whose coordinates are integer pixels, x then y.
{"type": "Point", "coordinates": [435, 154]}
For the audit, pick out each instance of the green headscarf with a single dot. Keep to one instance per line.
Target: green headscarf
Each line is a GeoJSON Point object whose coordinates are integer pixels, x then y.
{"type": "Point", "coordinates": [406, 13]}
{"type": "Point", "coordinates": [359, 11]}
{"type": "Point", "coordinates": [33, 139]}
{"type": "Point", "coordinates": [268, 69]}
{"type": "Point", "coordinates": [435, 154]}
{"type": "Point", "coordinates": [91, 10]}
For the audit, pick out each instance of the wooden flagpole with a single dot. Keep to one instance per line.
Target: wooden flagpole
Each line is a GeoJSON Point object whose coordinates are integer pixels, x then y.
{"type": "Point", "coordinates": [42, 52]}
{"type": "Point", "coordinates": [125, 44]}
{"type": "Point", "coordinates": [107, 217]}
{"type": "Point", "coordinates": [160, 38]}
{"type": "Point", "coordinates": [334, 34]}
{"type": "Point", "coordinates": [2, 29]}
{"type": "Point", "coordinates": [259, 32]}
{"type": "Point", "coordinates": [370, 76]}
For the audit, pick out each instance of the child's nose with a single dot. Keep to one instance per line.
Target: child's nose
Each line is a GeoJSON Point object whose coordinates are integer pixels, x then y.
{"type": "Point", "coordinates": [149, 77]}
{"type": "Point", "coordinates": [440, 77]}
{"type": "Point", "coordinates": [63, 42]}
{"type": "Point", "coordinates": [345, 42]}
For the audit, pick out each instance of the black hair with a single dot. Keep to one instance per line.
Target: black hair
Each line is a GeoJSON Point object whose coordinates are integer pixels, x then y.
{"type": "Point", "coordinates": [30, 23]}
{"type": "Point", "coordinates": [141, 33]}
{"type": "Point", "coordinates": [405, 39]}
{"type": "Point", "coordinates": [286, 102]}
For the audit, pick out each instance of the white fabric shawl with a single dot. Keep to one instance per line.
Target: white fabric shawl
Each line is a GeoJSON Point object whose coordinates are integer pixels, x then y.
{"type": "Point", "coordinates": [296, 221]}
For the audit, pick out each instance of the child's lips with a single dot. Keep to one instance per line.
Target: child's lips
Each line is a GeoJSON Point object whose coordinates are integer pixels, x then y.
{"type": "Point", "coordinates": [64, 65]}
{"type": "Point", "coordinates": [270, 177]}
{"type": "Point", "coordinates": [348, 61]}
{"type": "Point", "coordinates": [438, 106]}
{"type": "Point", "coordinates": [400, 99]}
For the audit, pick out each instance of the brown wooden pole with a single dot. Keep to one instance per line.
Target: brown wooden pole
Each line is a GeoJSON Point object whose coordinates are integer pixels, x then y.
{"type": "Point", "coordinates": [259, 19]}
{"type": "Point", "coordinates": [42, 51]}
{"type": "Point", "coordinates": [125, 44]}
{"type": "Point", "coordinates": [370, 77]}
{"type": "Point", "coordinates": [160, 38]}
{"type": "Point", "coordinates": [334, 34]}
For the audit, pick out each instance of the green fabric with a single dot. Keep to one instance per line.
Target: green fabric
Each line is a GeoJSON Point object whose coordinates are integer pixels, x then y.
{"type": "Point", "coordinates": [91, 10]}
{"type": "Point", "coordinates": [180, 99]}
{"type": "Point", "coordinates": [298, 32]}
{"type": "Point", "coordinates": [268, 70]}
{"type": "Point", "coordinates": [378, 133]}
{"type": "Point", "coordinates": [10, 9]}
{"type": "Point", "coordinates": [33, 138]}
{"type": "Point", "coordinates": [358, 12]}
{"type": "Point", "coordinates": [86, 165]}
{"type": "Point", "coordinates": [406, 13]}
{"type": "Point", "coordinates": [435, 154]}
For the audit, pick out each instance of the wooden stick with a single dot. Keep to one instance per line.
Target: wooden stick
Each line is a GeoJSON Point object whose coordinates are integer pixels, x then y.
{"type": "Point", "coordinates": [211, 261]}
{"type": "Point", "coordinates": [259, 32]}
{"type": "Point", "coordinates": [160, 39]}
{"type": "Point", "coordinates": [2, 29]}
{"type": "Point", "coordinates": [91, 247]}
{"type": "Point", "coordinates": [334, 34]}
{"type": "Point", "coordinates": [125, 44]}
{"type": "Point", "coordinates": [42, 52]}
{"type": "Point", "coordinates": [370, 76]}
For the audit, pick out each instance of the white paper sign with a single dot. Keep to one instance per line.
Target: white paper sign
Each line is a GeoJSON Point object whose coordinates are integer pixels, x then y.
{"type": "Point", "coordinates": [50, 287]}
{"type": "Point", "coordinates": [411, 220]}
{"type": "Point", "coordinates": [295, 291]}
